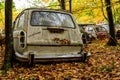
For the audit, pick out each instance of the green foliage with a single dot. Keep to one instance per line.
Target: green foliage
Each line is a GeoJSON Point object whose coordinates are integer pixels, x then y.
{"type": "Point", "coordinates": [2, 14]}
{"type": "Point", "coordinates": [7, 66]}
{"type": "Point", "coordinates": [87, 11]}
{"type": "Point", "coordinates": [1, 5]}
{"type": "Point", "coordinates": [54, 5]}
{"type": "Point", "coordinates": [117, 14]}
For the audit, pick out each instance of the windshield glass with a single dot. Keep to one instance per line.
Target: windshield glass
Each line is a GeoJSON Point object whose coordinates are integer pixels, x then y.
{"type": "Point", "coordinates": [100, 29]}
{"type": "Point", "coordinates": [39, 18]}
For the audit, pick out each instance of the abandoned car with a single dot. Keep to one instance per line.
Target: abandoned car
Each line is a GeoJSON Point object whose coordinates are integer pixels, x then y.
{"type": "Point", "coordinates": [46, 35]}
{"type": "Point", "coordinates": [96, 31]}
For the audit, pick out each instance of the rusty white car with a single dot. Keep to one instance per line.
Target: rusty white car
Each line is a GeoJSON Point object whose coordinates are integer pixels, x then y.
{"type": "Point", "coordinates": [46, 35]}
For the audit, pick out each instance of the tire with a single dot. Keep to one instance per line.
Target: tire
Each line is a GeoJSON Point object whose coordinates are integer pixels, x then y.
{"type": "Point", "coordinates": [13, 55]}
{"type": "Point", "coordinates": [84, 39]}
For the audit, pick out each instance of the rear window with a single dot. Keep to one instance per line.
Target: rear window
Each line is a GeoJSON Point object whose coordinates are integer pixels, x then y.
{"type": "Point", "coordinates": [47, 19]}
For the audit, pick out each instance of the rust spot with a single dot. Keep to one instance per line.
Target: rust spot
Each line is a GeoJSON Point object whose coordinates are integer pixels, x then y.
{"type": "Point", "coordinates": [62, 41]}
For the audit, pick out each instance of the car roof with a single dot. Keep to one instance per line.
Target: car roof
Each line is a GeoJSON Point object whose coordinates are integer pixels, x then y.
{"type": "Point", "coordinates": [46, 9]}
{"type": "Point", "coordinates": [86, 24]}
{"type": "Point", "coordinates": [43, 9]}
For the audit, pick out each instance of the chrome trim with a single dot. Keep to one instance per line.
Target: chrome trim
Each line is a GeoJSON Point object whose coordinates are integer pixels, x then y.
{"type": "Point", "coordinates": [38, 58]}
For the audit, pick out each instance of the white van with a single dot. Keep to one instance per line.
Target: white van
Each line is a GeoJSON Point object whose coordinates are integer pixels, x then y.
{"type": "Point", "coordinates": [46, 35]}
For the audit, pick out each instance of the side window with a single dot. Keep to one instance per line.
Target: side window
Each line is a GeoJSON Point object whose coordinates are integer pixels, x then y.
{"type": "Point", "coordinates": [21, 21]}
{"type": "Point", "coordinates": [15, 24]}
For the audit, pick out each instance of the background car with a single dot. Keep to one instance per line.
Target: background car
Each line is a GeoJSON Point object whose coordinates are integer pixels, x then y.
{"type": "Point", "coordinates": [86, 37]}
{"type": "Point", "coordinates": [117, 28]}
{"type": "Point", "coordinates": [102, 33]}
{"type": "Point", "coordinates": [105, 25]}
{"type": "Point", "coordinates": [95, 31]}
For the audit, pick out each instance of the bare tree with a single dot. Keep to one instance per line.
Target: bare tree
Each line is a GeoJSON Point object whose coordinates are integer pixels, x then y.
{"type": "Point", "coordinates": [112, 40]}
{"type": "Point", "coordinates": [62, 4]}
{"type": "Point", "coordinates": [70, 5]}
{"type": "Point", "coordinates": [8, 32]}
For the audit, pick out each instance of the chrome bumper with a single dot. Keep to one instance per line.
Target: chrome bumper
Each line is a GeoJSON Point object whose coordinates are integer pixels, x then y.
{"type": "Point", "coordinates": [37, 58]}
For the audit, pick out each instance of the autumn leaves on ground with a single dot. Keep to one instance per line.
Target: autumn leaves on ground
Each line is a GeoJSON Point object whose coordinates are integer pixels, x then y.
{"type": "Point", "coordinates": [104, 64]}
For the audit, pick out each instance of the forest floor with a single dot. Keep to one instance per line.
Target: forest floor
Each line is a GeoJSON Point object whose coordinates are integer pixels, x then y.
{"type": "Point", "coordinates": [103, 64]}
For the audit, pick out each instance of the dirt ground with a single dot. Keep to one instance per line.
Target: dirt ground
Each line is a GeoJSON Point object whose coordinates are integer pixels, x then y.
{"type": "Point", "coordinates": [103, 64]}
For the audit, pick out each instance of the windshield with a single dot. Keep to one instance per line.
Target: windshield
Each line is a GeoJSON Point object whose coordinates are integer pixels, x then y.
{"type": "Point", "coordinates": [89, 29]}
{"type": "Point", "coordinates": [39, 18]}
{"type": "Point", "coordinates": [101, 29]}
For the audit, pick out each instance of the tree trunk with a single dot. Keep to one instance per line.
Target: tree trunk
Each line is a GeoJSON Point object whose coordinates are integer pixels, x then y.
{"type": "Point", "coordinates": [62, 2]}
{"type": "Point", "coordinates": [70, 5]}
{"type": "Point", "coordinates": [112, 40]}
{"type": "Point", "coordinates": [8, 33]}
